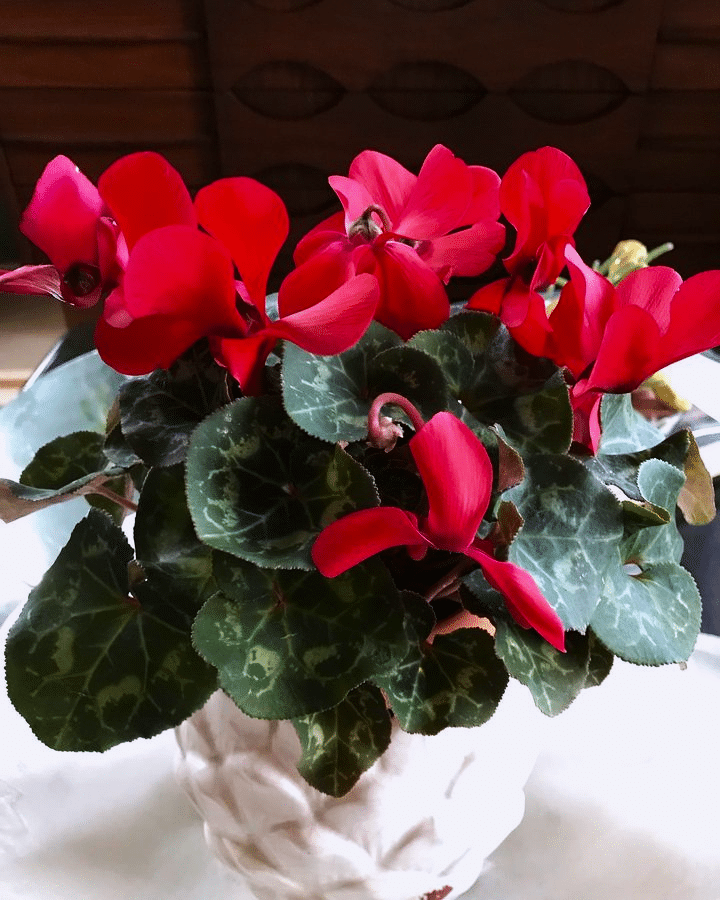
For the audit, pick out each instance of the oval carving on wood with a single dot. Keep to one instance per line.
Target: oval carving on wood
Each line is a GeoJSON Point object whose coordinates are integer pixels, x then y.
{"type": "Point", "coordinates": [304, 188]}
{"type": "Point", "coordinates": [426, 91]}
{"type": "Point", "coordinates": [580, 6]}
{"type": "Point", "coordinates": [569, 92]}
{"type": "Point", "coordinates": [288, 90]}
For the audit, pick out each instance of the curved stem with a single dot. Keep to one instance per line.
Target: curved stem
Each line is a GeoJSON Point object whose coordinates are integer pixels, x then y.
{"type": "Point", "coordinates": [116, 498]}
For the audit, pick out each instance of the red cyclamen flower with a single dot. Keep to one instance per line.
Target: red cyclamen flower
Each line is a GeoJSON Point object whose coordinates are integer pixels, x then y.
{"type": "Point", "coordinates": [179, 284]}
{"type": "Point", "coordinates": [544, 196]}
{"type": "Point", "coordinates": [411, 232]}
{"type": "Point", "coordinates": [457, 474]}
{"type": "Point", "coordinates": [68, 220]}
{"type": "Point", "coordinates": [611, 338]}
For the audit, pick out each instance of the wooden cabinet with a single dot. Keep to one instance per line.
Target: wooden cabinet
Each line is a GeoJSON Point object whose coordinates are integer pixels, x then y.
{"type": "Point", "coordinates": [290, 90]}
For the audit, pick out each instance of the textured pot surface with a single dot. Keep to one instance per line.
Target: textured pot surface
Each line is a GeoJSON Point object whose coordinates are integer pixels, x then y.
{"type": "Point", "coordinates": [421, 820]}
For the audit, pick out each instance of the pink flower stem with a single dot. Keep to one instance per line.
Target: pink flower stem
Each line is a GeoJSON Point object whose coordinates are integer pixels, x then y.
{"type": "Point", "coordinates": [448, 584]}
{"type": "Point", "coordinates": [375, 427]}
{"type": "Point", "coordinates": [116, 498]}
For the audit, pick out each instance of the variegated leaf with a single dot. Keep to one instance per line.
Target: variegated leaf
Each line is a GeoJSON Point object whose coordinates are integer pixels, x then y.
{"type": "Point", "coordinates": [341, 743]}
{"type": "Point", "coordinates": [261, 488]}
{"type": "Point", "coordinates": [89, 664]}
{"type": "Point", "coordinates": [293, 643]}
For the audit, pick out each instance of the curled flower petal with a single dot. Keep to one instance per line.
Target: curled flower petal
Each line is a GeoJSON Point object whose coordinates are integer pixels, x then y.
{"type": "Point", "coordinates": [523, 598]}
{"type": "Point", "coordinates": [385, 180]}
{"type": "Point", "coordinates": [316, 278]}
{"type": "Point", "coordinates": [464, 253]}
{"type": "Point", "coordinates": [360, 535]}
{"type": "Point", "coordinates": [61, 219]}
{"type": "Point", "coordinates": [177, 275]}
{"type": "Point", "coordinates": [335, 323]}
{"type": "Point", "coordinates": [252, 222]}
{"type": "Point", "coordinates": [412, 296]}
{"type": "Point", "coordinates": [145, 344]}
{"type": "Point", "coordinates": [439, 198]}
{"type": "Point", "coordinates": [145, 192]}
{"type": "Point", "coordinates": [457, 474]}
{"type": "Point", "coordinates": [43, 280]}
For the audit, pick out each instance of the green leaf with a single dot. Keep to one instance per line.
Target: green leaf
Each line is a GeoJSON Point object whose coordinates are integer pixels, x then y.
{"type": "Point", "coordinates": [159, 412]}
{"type": "Point", "coordinates": [539, 421]}
{"type": "Point", "coordinates": [262, 489]}
{"type": "Point", "coordinates": [412, 374]}
{"type": "Point", "coordinates": [329, 396]}
{"type": "Point", "coordinates": [498, 382]}
{"type": "Point", "coordinates": [651, 618]}
{"type": "Point", "coordinates": [553, 678]}
{"type": "Point", "coordinates": [569, 540]}
{"type": "Point", "coordinates": [621, 469]}
{"type": "Point", "coordinates": [88, 664]}
{"type": "Point", "coordinates": [659, 483]}
{"type": "Point", "coordinates": [292, 643]}
{"type": "Point", "coordinates": [341, 743]}
{"type": "Point", "coordinates": [166, 545]}
{"type": "Point", "coordinates": [601, 661]}
{"type": "Point", "coordinates": [18, 500]}
{"type": "Point", "coordinates": [73, 459]}
{"type": "Point", "coordinates": [624, 429]}
{"type": "Point", "coordinates": [455, 681]}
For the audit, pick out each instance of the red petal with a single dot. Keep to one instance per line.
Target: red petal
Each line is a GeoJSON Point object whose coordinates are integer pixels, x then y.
{"type": "Point", "coordinates": [327, 231]}
{"type": "Point", "coordinates": [385, 180]}
{"type": "Point", "coordinates": [457, 474]}
{"type": "Point", "coordinates": [145, 192]}
{"type": "Point", "coordinates": [62, 216]}
{"type": "Point", "coordinates": [316, 278]}
{"type": "Point", "coordinates": [578, 321]}
{"type": "Point", "coordinates": [181, 272]}
{"type": "Point", "coordinates": [146, 344]}
{"type": "Point", "coordinates": [543, 195]}
{"type": "Point", "coordinates": [485, 202]}
{"type": "Point", "coordinates": [464, 253]}
{"type": "Point", "coordinates": [353, 195]}
{"type": "Point", "coordinates": [335, 323]}
{"type": "Point", "coordinates": [439, 198]}
{"type": "Point", "coordinates": [251, 221]}
{"type": "Point", "coordinates": [534, 332]}
{"type": "Point", "coordinates": [523, 598]}
{"type": "Point", "coordinates": [43, 280]}
{"type": "Point", "coordinates": [360, 535]}
{"type": "Point", "coordinates": [245, 358]}
{"type": "Point", "coordinates": [629, 351]}
{"type": "Point", "coordinates": [694, 324]}
{"type": "Point", "coordinates": [489, 298]}
{"type": "Point", "coordinates": [412, 297]}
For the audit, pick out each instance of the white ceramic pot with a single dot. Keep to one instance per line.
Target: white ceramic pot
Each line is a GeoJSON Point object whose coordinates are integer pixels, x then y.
{"type": "Point", "coordinates": [418, 824]}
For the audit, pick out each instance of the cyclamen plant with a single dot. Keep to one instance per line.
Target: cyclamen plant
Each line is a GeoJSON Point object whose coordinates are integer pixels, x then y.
{"type": "Point", "coordinates": [353, 504]}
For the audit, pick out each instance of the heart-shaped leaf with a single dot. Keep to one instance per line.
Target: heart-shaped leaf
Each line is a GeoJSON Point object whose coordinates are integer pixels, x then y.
{"type": "Point", "coordinates": [570, 536]}
{"type": "Point", "coordinates": [261, 488]}
{"type": "Point", "coordinates": [329, 396]}
{"type": "Point", "coordinates": [158, 413]}
{"type": "Point", "coordinates": [292, 643]}
{"type": "Point", "coordinates": [90, 665]}
{"type": "Point", "coordinates": [650, 618]}
{"type": "Point", "coordinates": [455, 681]}
{"type": "Point", "coordinates": [341, 743]}
{"type": "Point", "coordinates": [553, 678]}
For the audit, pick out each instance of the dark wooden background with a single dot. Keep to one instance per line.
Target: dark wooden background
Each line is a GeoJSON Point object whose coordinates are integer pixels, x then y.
{"type": "Point", "coordinates": [290, 90]}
